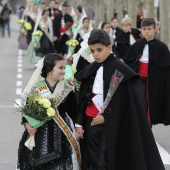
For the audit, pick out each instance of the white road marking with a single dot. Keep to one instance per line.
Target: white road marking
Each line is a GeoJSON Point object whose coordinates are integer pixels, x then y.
{"type": "Point", "coordinates": [19, 83]}
{"type": "Point", "coordinates": [19, 65]}
{"type": "Point", "coordinates": [19, 61]}
{"type": "Point", "coordinates": [164, 155]}
{"type": "Point", "coordinates": [19, 70]}
{"type": "Point", "coordinates": [19, 76]}
{"type": "Point", "coordinates": [18, 91]}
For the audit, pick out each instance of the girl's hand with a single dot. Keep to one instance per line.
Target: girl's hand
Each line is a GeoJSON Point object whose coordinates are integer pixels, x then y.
{"type": "Point", "coordinates": [79, 133]}
{"type": "Point", "coordinates": [30, 130]}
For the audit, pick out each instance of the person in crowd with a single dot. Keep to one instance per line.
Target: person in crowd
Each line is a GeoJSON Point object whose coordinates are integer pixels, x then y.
{"type": "Point", "coordinates": [103, 131]}
{"type": "Point", "coordinates": [150, 58]}
{"type": "Point", "coordinates": [61, 28]}
{"type": "Point", "coordinates": [52, 9]}
{"type": "Point", "coordinates": [32, 19]}
{"type": "Point", "coordinates": [46, 42]}
{"type": "Point", "coordinates": [83, 28]}
{"type": "Point", "coordinates": [140, 15]}
{"type": "Point", "coordinates": [55, 143]}
{"type": "Point", "coordinates": [80, 14]}
{"type": "Point", "coordinates": [127, 37]}
{"type": "Point", "coordinates": [115, 30]}
{"type": "Point", "coordinates": [5, 18]}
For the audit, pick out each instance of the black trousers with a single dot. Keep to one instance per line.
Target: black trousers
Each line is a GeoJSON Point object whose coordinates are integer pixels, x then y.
{"type": "Point", "coordinates": [95, 156]}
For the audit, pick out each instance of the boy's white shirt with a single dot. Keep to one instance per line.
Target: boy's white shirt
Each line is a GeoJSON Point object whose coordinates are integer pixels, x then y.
{"type": "Point", "coordinates": [145, 56]}
{"type": "Point", "coordinates": [98, 90]}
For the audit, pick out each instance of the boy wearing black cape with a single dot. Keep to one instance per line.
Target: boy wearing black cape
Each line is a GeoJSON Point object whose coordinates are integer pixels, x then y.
{"type": "Point", "coordinates": [120, 138]}
{"type": "Point", "coordinates": [150, 58]}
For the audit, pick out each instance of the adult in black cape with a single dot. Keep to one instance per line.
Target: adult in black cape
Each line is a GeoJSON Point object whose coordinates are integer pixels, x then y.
{"type": "Point", "coordinates": [154, 86]}
{"type": "Point", "coordinates": [121, 137]}
{"type": "Point", "coordinates": [61, 27]}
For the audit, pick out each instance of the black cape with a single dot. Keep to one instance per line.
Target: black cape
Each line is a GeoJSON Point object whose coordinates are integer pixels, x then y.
{"type": "Point", "coordinates": [130, 143]}
{"type": "Point", "coordinates": [60, 44]}
{"type": "Point", "coordinates": [123, 41]}
{"type": "Point", "coordinates": [158, 77]}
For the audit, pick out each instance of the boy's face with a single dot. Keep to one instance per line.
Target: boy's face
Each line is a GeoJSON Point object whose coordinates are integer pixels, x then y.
{"type": "Point", "coordinates": [148, 32]}
{"type": "Point", "coordinates": [126, 27]}
{"type": "Point", "coordinates": [100, 52]}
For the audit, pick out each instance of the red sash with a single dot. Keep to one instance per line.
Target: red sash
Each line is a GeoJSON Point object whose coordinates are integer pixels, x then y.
{"type": "Point", "coordinates": [143, 69]}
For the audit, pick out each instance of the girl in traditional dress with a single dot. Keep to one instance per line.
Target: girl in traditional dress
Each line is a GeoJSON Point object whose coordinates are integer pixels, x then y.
{"type": "Point", "coordinates": [38, 49]}
{"type": "Point", "coordinates": [83, 28]}
{"type": "Point", "coordinates": [55, 145]}
{"type": "Point", "coordinates": [46, 42]}
{"type": "Point", "coordinates": [32, 18]}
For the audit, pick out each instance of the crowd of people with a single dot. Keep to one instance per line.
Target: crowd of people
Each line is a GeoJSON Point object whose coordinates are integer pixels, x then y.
{"type": "Point", "coordinates": [104, 117]}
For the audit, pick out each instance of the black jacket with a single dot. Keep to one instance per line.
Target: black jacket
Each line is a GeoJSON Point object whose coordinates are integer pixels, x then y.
{"type": "Point", "coordinates": [130, 143]}
{"type": "Point", "coordinates": [158, 77]}
{"type": "Point", "coordinates": [123, 41]}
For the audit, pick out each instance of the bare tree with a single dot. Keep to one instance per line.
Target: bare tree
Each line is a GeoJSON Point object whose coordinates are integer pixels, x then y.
{"type": "Point", "coordinates": [132, 11]}
{"type": "Point", "coordinates": [150, 8]}
{"type": "Point", "coordinates": [119, 9]}
{"type": "Point", "coordinates": [99, 12]}
{"type": "Point", "coordinates": [110, 7]}
{"type": "Point", "coordinates": [164, 18]}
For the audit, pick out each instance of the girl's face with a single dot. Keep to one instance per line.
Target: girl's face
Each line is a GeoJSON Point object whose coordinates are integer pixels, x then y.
{"type": "Point", "coordinates": [46, 14]}
{"type": "Point", "coordinates": [35, 8]}
{"type": "Point", "coordinates": [77, 12]}
{"type": "Point", "coordinates": [106, 28]}
{"type": "Point", "coordinates": [126, 28]}
{"type": "Point", "coordinates": [58, 71]}
{"type": "Point", "coordinates": [86, 23]}
{"type": "Point", "coordinates": [115, 23]}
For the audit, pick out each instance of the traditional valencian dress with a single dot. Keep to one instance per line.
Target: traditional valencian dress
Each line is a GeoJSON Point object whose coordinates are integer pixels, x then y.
{"type": "Point", "coordinates": [46, 44]}
{"type": "Point", "coordinates": [34, 54]}
{"type": "Point", "coordinates": [55, 145]}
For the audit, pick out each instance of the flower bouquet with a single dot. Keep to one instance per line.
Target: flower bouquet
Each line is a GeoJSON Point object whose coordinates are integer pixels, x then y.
{"type": "Point", "coordinates": [72, 45]}
{"type": "Point", "coordinates": [25, 26]}
{"type": "Point", "coordinates": [37, 37]}
{"type": "Point", "coordinates": [37, 111]}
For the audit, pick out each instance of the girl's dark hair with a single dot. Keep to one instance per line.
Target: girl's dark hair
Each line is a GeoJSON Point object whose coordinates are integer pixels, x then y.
{"type": "Point", "coordinates": [99, 37]}
{"type": "Point", "coordinates": [85, 19]}
{"type": "Point", "coordinates": [80, 9]}
{"type": "Point", "coordinates": [114, 19]}
{"type": "Point", "coordinates": [65, 4]}
{"type": "Point", "coordinates": [104, 23]}
{"type": "Point", "coordinates": [148, 22]}
{"type": "Point", "coordinates": [50, 61]}
{"type": "Point", "coordinates": [44, 11]}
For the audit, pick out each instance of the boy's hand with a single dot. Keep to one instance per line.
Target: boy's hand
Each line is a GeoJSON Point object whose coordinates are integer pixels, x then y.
{"type": "Point", "coordinates": [79, 133]}
{"type": "Point", "coordinates": [30, 130]}
{"type": "Point", "coordinates": [99, 119]}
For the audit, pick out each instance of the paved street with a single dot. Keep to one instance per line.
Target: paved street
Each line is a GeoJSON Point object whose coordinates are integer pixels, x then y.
{"type": "Point", "coordinates": [14, 74]}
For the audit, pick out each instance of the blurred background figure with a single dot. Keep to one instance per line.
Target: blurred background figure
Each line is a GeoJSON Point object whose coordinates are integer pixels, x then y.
{"type": "Point", "coordinates": [21, 11]}
{"type": "Point", "coordinates": [5, 18]}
